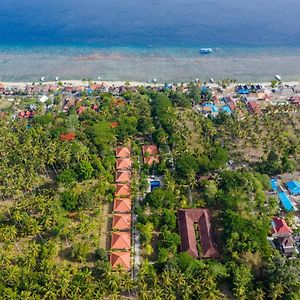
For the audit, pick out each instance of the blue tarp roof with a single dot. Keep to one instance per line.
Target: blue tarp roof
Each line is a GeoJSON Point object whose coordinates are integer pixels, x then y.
{"type": "Point", "coordinates": [226, 108]}
{"type": "Point", "coordinates": [212, 106]}
{"type": "Point", "coordinates": [293, 187]}
{"type": "Point", "coordinates": [285, 201]}
{"type": "Point", "coordinates": [274, 184]}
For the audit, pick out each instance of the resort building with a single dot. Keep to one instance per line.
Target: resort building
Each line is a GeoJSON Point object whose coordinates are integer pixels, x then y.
{"type": "Point", "coordinates": [122, 205]}
{"type": "Point", "coordinates": [149, 150]}
{"type": "Point", "coordinates": [121, 221]}
{"type": "Point", "coordinates": [121, 240]}
{"type": "Point", "coordinates": [123, 190]}
{"type": "Point", "coordinates": [123, 177]}
{"type": "Point", "coordinates": [120, 259]}
{"type": "Point", "coordinates": [196, 233]}
{"type": "Point", "coordinates": [123, 164]}
{"type": "Point", "coordinates": [122, 152]}
{"type": "Point", "coordinates": [150, 160]}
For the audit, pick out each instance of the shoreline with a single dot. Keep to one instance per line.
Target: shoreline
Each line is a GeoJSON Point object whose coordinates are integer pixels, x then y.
{"type": "Point", "coordinates": [118, 83]}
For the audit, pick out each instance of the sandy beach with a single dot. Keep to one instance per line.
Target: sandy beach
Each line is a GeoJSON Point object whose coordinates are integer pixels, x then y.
{"type": "Point", "coordinates": [75, 82]}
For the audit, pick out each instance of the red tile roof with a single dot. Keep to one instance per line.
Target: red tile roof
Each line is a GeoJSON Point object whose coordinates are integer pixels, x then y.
{"type": "Point", "coordinates": [122, 221]}
{"type": "Point", "coordinates": [114, 124]}
{"type": "Point", "coordinates": [67, 136]}
{"type": "Point", "coordinates": [96, 87]}
{"type": "Point", "coordinates": [123, 176]}
{"type": "Point", "coordinates": [122, 205]}
{"type": "Point", "coordinates": [122, 152]}
{"type": "Point", "coordinates": [81, 109]}
{"type": "Point", "coordinates": [187, 220]}
{"type": "Point", "coordinates": [123, 190]}
{"type": "Point", "coordinates": [150, 150]}
{"type": "Point", "coordinates": [121, 240]}
{"type": "Point", "coordinates": [254, 107]}
{"type": "Point", "coordinates": [280, 227]}
{"type": "Point", "coordinates": [123, 164]}
{"type": "Point", "coordinates": [120, 259]}
{"type": "Point", "coordinates": [150, 160]}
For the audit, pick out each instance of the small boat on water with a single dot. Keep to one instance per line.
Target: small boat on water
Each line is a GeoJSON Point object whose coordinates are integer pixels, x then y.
{"type": "Point", "coordinates": [278, 77]}
{"type": "Point", "coordinates": [206, 50]}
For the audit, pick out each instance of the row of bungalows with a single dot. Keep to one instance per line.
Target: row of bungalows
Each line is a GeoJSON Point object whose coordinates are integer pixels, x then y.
{"type": "Point", "coordinates": [150, 154]}
{"type": "Point", "coordinates": [120, 255]}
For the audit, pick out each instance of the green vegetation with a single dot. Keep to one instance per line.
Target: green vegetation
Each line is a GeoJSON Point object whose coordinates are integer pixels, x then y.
{"type": "Point", "coordinates": [54, 193]}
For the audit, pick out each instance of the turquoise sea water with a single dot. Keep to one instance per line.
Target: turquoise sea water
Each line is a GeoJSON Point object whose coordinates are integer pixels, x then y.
{"type": "Point", "coordinates": [142, 39]}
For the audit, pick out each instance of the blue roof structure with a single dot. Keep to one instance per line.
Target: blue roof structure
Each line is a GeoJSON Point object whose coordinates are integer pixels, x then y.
{"type": "Point", "coordinates": [274, 184]}
{"type": "Point", "coordinates": [243, 92]}
{"type": "Point", "coordinates": [204, 89]}
{"type": "Point", "coordinates": [227, 109]}
{"type": "Point", "coordinates": [293, 187]}
{"type": "Point", "coordinates": [285, 201]}
{"type": "Point", "coordinates": [212, 106]}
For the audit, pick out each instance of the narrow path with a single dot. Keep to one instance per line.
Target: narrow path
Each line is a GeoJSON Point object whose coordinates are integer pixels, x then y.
{"type": "Point", "coordinates": [104, 241]}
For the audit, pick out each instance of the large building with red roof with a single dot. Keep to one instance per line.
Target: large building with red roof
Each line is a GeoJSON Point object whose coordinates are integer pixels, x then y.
{"type": "Point", "coordinates": [193, 223]}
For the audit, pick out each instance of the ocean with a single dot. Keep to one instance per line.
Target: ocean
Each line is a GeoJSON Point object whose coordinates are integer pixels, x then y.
{"type": "Point", "coordinates": [143, 39]}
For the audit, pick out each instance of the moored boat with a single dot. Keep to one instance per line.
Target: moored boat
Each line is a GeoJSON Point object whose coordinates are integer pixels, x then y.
{"type": "Point", "coordinates": [206, 50]}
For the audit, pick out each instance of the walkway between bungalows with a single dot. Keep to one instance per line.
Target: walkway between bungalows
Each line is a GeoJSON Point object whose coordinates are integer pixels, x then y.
{"type": "Point", "coordinates": [105, 227]}
{"type": "Point", "coordinates": [135, 232]}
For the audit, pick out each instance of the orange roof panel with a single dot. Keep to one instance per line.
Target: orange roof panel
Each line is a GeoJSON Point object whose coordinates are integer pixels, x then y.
{"type": "Point", "coordinates": [121, 259]}
{"type": "Point", "coordinates": [121, 240]}
{"type": "Point", "coordinates": [123, 152]}
{"type": "Point", "coordinates": [123, 164]}
{"type": "Point", "coordinates": [150, 160]}
{"type": "Point", "coordinates": [123, 176]}
{"type": "Point", "coordinates": [150, 150]}
{"type": "Point", "coordinates": [122, 221]}
{"type": "Point", "coordinates": [123, 190]}
{"type": "Point", "coordinates": [122, 205]}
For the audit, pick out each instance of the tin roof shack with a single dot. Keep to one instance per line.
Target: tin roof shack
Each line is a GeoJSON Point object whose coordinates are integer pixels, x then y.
{"type": "Point", "coordinates": [293, 187]}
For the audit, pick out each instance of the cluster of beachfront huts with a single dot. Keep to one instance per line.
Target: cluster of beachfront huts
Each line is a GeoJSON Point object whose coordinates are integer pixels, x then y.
{"type": "Point", "coordinates": [253, 99]}
{"type": "Point", "coordinates": [120, 255]}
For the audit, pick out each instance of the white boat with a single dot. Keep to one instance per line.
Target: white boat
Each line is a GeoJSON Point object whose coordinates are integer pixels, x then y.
{"type": "Point", "coordinates": [206, 50]}
{"type": "Point", "coordinates": [278, 77]}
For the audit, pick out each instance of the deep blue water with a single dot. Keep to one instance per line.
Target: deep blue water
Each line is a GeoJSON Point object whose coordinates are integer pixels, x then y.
{"type": "Point", "coordinates": [150, 23]}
